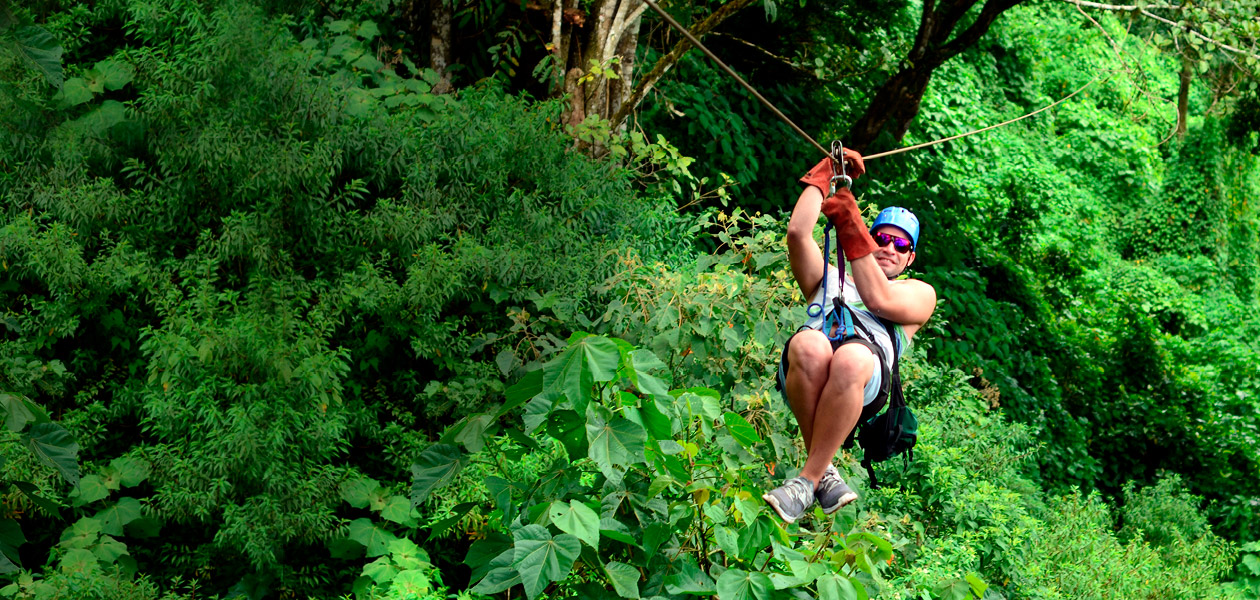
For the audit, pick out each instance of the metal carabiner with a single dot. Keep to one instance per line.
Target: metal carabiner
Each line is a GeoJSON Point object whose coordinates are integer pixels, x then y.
{"type": "Point", "coordinates": [837, 156]}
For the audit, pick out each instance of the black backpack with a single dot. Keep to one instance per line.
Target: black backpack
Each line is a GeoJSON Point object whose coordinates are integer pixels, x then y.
{"type": "Point", "coordinates": [893, 431]}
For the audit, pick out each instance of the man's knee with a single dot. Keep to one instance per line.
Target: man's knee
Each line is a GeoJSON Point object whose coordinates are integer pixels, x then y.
{"type": "Point", "coordinates": [810, 352]}
{"type": "Point", "coordinates": [852, 364]}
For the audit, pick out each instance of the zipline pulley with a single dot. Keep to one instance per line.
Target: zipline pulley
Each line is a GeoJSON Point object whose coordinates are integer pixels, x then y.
{"type": "Point", "coordinates": [838, 175]}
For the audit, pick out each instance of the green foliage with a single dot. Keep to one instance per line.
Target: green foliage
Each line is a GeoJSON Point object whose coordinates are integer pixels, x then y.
{"type": "Point", "coordinates": [656, 493]}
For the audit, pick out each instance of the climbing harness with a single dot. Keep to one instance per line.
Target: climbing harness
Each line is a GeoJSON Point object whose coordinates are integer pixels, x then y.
{"type": "Point", "coordinates": [801, 132]}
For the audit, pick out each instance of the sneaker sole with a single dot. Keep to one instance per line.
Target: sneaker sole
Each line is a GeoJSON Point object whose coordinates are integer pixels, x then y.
{"type": "Point", "coordinates": [774, 503]}
{"type": "Point", "coordinates": [845, 500]}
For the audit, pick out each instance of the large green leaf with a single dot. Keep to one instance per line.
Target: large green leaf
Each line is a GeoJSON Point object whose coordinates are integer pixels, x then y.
{"type": "Point", "coordinates": [578, 519]}
{"type": "Point", "coordinates": [741, 430]}
{"type": "Point", "coordinates": [755, 537]}
{"type": "Point", "coordinates": [473, 432]}
{"type": "Point", "coordinates": [588, 360]}
{"type": "Point", "coordinates": [125, 471]}
{"type": "Point", "coordinates": [55, 447]}
{"type": "Point", "coordinates": [500, 574]}
{"type": "Point", "coordinates": [17, 411]}
{"type": "Point", "coordinates": [836, 587]}
{"type": "Point", "coordinates": [641, 362]}
{"type": "Point", "coordinates": [40, 50]}
{"type": "Point", "coordinates": [374, 538]}
{"type": "Point", "coordinates": [614, 444]}
{"type": "Point", "coordinates": [542, 559]}
{"type": "Point", "coordinates": [399, 510]}
{"type": "Point", "coordinates": [689, 579]}
{"type": "Point", "coordinates": [114, 517]}
{"type": "Point", "coordinates": [569, 428]}
{"type": "Point", "coordinates": [624, 578]}
{"type": "Point", "coordinates": [735, 584]}
{"type": "Point", "coordinates": [10, 538]}
{"type": "Point", "coordinates": [435, 468]}
{"type": "Point", "coordinates": [358, 491]}
{"type": "Point", "coordinates": [109, 75]}
{"type": "Point", "coordinates": [527, 387]}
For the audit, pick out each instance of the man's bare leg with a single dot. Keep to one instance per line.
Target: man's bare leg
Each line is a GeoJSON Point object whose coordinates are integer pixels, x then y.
{"type": "Point", "coordinates": [809, 363]}
{"type": "Point", "coordinates": [838, 406]}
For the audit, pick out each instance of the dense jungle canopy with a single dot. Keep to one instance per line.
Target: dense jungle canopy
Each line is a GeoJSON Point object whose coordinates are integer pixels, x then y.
{"type": "Point", "coordinates": [482, 298]}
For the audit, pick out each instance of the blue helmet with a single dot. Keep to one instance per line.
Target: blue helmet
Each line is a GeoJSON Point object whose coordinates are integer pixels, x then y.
{"type": "Point", "coordinates": [900, 218]}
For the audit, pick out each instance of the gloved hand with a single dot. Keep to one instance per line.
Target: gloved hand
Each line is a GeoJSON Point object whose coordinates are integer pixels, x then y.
{"type": "Point", "coordinates": [820, 175]}
{"type": "Point", "coordinates": [842, 210]}
{"type": "Point", "coordinates": [853, 165]}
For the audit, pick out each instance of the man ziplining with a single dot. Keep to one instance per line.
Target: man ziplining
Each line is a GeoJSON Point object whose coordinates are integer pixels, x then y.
{"type": "Point", "coordinates": [835, 371]}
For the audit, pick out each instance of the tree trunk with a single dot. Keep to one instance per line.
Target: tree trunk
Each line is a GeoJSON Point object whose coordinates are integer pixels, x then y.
{"type": "Point", "coordinates": [896, 103]}
{"type": "Point", "coordinates": [1183, 95]}
{"type": "Point", "coordinates": [440, 43]}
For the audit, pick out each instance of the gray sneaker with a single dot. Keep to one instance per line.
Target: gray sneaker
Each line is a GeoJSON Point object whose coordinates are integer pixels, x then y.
{"type": "Point", "coordinates": [791, 499]}
{"type": "Point", "coordinates": [833, 493]}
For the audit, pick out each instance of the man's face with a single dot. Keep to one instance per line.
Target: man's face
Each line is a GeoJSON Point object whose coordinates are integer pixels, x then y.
{"type": "Point", "coordinates": [890, 261]}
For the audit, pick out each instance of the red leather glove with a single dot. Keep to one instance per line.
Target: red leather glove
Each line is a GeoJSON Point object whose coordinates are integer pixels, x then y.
{"type": "Point", "coordinates": [820, 175]}
{"type": "Point", "coordinates": [842, 210]}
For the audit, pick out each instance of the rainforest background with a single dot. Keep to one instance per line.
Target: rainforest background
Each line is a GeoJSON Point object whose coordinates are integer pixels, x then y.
{"type": "Point", "coordinates": [471, 298]}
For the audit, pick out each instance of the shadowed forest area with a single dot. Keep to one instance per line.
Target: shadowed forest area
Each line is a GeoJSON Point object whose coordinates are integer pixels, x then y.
{"type": "Point", "coordinates": [427, 299]}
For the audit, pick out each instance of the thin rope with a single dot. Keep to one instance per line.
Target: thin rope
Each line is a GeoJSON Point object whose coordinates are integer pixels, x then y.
{"type": "Point", "coordinates": [801, 132]}
{"type": "Point", "coordinates": [954, 137]}
{"type": "Point", "coordinates": [729, 71]}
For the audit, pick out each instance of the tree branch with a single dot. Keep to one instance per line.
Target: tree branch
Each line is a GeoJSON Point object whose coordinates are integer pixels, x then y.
{"type": "Point", "coordinates": [1149, 14]}
{"type": "Point", "coordinates": [667, 62]}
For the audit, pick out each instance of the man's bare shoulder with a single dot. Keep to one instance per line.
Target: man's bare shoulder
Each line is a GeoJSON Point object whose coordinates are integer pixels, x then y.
{"type": "Point", "coordinates": [918, 292]}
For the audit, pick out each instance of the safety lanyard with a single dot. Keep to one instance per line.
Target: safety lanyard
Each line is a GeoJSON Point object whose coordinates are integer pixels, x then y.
{"type": "Point", "coordinates": [840, 318]}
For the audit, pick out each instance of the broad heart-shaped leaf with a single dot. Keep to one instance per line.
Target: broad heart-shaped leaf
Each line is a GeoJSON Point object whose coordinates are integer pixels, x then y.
{"type": "Point", "coordinates": [641, 361]}
{"type": "Point", "coordinates": [73, 93]}
{"type": "Point", "coordinates": [55, 447]}
{"type": "Point", "coordinates": [952, 589]}
{"type": "Point", "coordinates": [10, 538]}
{"type": "Point", "coordinates": [16, 413]}
{"type": "Point", "coordinates": [836, 587]}
{"type": "Point", "coordinates": [624, 578]}
{"type": "Point", "coordinates": [380, 570]}
{"type": "Point", "coordinates": [113, 518]}
{"type": "Point", "coordinates": [398, 510]}
{"type": "Point", "coordinates": [567, 427]}
{"type": "Point", "coordinates": [469, 431]}
{"type": "Point", "coordinates": [483, 552]}
{"type": "Point", "coordinates": [500, 575]}
{"type": "Point", "coordinates": [755, 537]}
{"type": "Point", "coordinates": [735, 584]}
{"type": "Point", "coordinates": [79, 560]}
{"type": "Point", "coordinates": [588, 360]}
{"type": "Point", "coordinates": [89, 490]}
{"type": "Point", "coordinates": [578, 519]}
{"type": "Point", "coordinates": [126, 471]}
{"type": "Point", "coordinates": [435, 468]}
{"type": "Point", "coordinates": [689, 579]}
{"type": "Point", "coordinates": [741, 430]}
{"type": "Point", "coordinates": [358, 491]}
{"type": "Point", "coordinates": [110, 75]}
{"type": "Point", "coordinates": [614, 444]}
{"type": "Point", "coordinates": [39, 49]}
{"type": "Point", "coordinates": [375, 539]}
{"type": "Point", "coordinates": [529, 386]}
{"type": "Point", "coordinates": [542, 559]}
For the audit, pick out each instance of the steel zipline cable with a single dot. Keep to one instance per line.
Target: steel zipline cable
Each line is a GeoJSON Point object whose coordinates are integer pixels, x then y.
{"type": "Point", "coordinates": [695, 42]}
